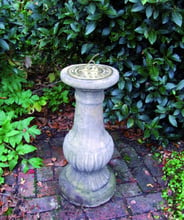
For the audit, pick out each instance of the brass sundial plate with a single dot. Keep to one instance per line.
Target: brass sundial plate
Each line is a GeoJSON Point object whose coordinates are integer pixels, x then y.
{"type": "Point", "coordinates": [89, 71]}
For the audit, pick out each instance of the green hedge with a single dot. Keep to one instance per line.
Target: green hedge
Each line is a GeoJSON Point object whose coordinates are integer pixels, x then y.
{"type": "Point", "coordinates": [143, 39]}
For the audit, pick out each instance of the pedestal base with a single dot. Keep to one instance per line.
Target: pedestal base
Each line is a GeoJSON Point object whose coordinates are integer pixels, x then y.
{"type": "Point", "coordinates": [87, 189]}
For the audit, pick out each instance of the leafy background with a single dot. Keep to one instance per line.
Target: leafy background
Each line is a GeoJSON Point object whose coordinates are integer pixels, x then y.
{"type": "Point", "coordinates": [142, 39]}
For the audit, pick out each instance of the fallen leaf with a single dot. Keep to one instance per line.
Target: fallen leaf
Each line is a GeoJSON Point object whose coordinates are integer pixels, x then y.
{"type": "Point", "coordinates": [149, 185]}
{"type": "Point", "coordinates": [132, 202]}
{"type": "Point", "coordinates": [40, 184]}
{"type": "Point", "coordinates": [53, 159]}
{"type": "Point", "coordinates": [1, 203]}
{"type": "Point", "coordinates": [30, 171]}
{"type": "Point", "coordinates": [147, 172]}
{"type": "Point", "coordinates": [49, 164]}
{"type": "Point", "coordinates": [63, 162]}
{"type": "Point", "coordinates": [22, 181]}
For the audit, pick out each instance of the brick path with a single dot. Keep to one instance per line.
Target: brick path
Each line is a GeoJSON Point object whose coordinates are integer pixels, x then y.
{"type": "Point", "coordinates": [138, 192]}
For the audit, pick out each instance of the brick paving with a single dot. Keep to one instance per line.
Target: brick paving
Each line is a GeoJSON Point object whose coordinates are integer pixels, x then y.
{"type": "Point", "coordinates": [138, 191]}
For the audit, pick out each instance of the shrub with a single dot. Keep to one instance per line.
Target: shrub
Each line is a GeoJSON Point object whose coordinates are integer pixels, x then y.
{"type": "Point", "coordinates": [15, 138]}
{"type": "Point", "coordinates": [15, 134]}
{"type": "Point", "coordinates": [142, 38]}
{"type": "Point", "coordinates": [56, 96]}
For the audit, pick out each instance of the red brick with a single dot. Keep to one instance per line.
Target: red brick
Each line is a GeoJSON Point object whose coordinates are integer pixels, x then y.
{"type": "Point", "coordinates": [48, 188]}
{"type": "Point", "coordinates": [44, 204]}
{"type": "Point", "coordinates": [26, 184]}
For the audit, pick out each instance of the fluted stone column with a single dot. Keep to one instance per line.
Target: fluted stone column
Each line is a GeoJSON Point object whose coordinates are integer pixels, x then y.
{"type": "Point", "coordinates": [86, 180]}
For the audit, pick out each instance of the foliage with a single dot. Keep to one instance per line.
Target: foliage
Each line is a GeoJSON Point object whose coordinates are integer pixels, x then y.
{"type": "Point", "coordinates": [13, 136]}
{"type": "Point", "coordinates": [142, 38]}
{"type": "Point", "coordinates": [15, 133]}
{"type": "Point", "coordinates": [174, 193]}
{"type": "Point", "coordinates": [56, 96]}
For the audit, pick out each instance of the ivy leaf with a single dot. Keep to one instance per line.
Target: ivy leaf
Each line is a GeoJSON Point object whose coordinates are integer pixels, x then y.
{"type": "Point", "coordinates": [177, 18]}
{"type": "Point", "coordinates": [172, 120]}
{"type": "Point", "coordinates": [90, 28]}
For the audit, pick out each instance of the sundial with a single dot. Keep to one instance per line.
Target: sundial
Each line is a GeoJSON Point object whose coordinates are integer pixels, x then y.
{"type": "Point", "coordinates": [88, 147]}
{"type": "Point", "coordinates": [90, 71]}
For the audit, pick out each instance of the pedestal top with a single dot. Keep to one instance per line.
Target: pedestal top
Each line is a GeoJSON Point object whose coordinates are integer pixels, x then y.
{"type": "Point", "coordinates": [90, 76]}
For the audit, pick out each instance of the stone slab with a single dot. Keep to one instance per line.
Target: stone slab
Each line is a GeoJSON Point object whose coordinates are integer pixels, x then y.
{"type": "Point", "coordinates": [131, 157]}
{"type": "Point", "coordinates": [48, 188]}
{"type": "Point", "coordinates": [153, 165]}
{"type": "Point", "coordinates": [144, 179]}
{"type": "Point", "coordinates": [107, 211]}
{"type": "Point", "coordinates": [147, 203]}
{"type": "Point", "coordinates": [45, 174]}
{"type": "Point", "coordinates": [44, 204]}
{"type": "Point", "coordinates": [129, 189]}
{"type": "Point", "coordinates": [26, 183]}
{"type": "Point", "coordinates": [146, 216]}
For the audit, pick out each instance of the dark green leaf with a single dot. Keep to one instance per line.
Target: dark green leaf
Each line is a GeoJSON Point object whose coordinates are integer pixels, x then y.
{"type": "Point", "coordinates": [125, 110]}
{"type": "Point", "coordinates": [177, 18]}
{"type": "Point", "coordinates": [149, 11]}
{"type": "Point", "coordinates": [91, 8]}
{"type": "Point", "coordinates": [86, 48]}
{"type": "Point", "coordinates": [4, 44]}
{"type": "Point", "coordinates": [180, 85]}
{"type": "Point", "coordinates": [137, 7]}
{"type": "Point", "coordinates": [176, 58]}
{"type": "Point", "coordinates": [152, 36]}
{"type": "Point", "coordinates": [172, 120]}
{"type": "Point", "coordinates": [106, 31]}
{"type": "Point", "coordinates": [130, 123]}
{"type": "Point", "coordinates": [2, 26]}
{"type": "Point", "coordinates": [140, 30]}
{"type": "Point", "coordinates": [90, 28]}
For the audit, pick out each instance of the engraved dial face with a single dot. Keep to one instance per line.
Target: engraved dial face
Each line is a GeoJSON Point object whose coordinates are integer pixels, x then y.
{"type": "Point", "coordinates": [90, 71]}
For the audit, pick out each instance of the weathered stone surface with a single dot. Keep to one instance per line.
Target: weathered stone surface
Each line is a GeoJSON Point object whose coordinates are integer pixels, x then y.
{"type": "Point", "coordinates": [26, 184]}
{"type": "Point", "coordinates": [144, 179]}
{"type": "Point", "coordinates": [47, 188]}
{"type": "Point", "coordinates": [131, 157]}
{"type": "Point", "coordinates": [153, 165]}
{"type": "Point", "coordinates": [147, 216]}
{"type": "Point", "coordinates": [121, 171]}
{"type": "Point", "coordinates": [129, 189]}
{"type": "Point", "coordinates": [143, 203]}
{"type": "Point", "coordinates": [45, 174]}
{"type": "Point", "coordinates": [88, 147]}
{"type": "Point", "coordinates": [44, 150]}
{"type": "Point", "coordinates": [44, 204]}
{"type": "Point", "coordinates": [69, 211]}
{"type": "Point", "coordinates": [147, 203]}
{"type": "Point", "coordinates": [107, 211]}
{"type": "Point", "coordinates": [56, 142]}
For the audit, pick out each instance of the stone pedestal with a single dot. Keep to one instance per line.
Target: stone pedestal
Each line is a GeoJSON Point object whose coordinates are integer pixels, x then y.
{"type": "Point", "coordinates": [86, 180]}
